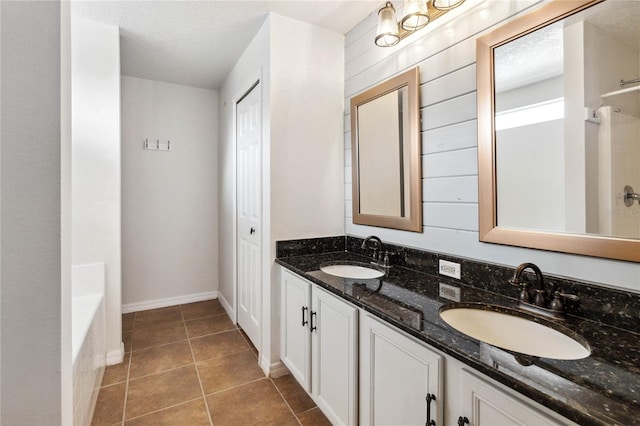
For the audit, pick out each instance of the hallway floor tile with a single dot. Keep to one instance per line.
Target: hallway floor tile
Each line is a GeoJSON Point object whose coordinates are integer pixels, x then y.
{"type": "Point", "coordinates": [190, 365]}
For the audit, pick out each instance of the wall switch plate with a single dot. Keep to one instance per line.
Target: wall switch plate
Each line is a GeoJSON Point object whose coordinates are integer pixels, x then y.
{"type": "Point", "coordinates": [449, 292]}
{"type": "Point", "coordinates": [450, 269]}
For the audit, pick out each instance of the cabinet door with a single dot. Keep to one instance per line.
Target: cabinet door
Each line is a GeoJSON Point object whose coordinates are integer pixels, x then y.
{"type": "Point", "coordinates": [396, 375]}
{"type": "Point", "coordinates": [486, 405]}
{"type": "Point", "coordinates": [295, 340]}
{"type": "Point", "coordinates": [334, 343]}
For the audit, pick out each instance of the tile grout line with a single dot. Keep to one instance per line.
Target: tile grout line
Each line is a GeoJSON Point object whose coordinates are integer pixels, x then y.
{"type": "Point", "coordinates": [285, 401]}
{"type": "Point", "coordinates": [237, 386]}
{"type": "Point", "coordinates": [310, 409]}
{"type": "Point", "coordinates": [160, 372]}
{"type": "Point", "coordinates": [164, 408]}
{"type": "Point", "coordinates": [195, 366]}
{"type": "Point", "coordinates": [178, 341]}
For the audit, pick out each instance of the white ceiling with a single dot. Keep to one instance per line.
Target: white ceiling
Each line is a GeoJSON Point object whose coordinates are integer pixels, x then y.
{"type": "Point", "coordinates": [196, 43]}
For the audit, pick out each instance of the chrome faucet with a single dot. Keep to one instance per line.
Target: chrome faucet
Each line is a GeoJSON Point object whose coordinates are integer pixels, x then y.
{"type": "Point", "coordinates": [537, 298]}
{"type": "Point", "coordinates": [380, 257]}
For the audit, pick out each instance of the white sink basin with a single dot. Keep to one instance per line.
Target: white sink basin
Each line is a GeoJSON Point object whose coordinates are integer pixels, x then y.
{"type": "Point", "coordinates": [353, 271]}
{"type": "Point", "coordinates": [515, 331]}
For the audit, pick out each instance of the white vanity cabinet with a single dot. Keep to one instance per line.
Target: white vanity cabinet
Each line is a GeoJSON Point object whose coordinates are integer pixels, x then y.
{"type": "Point", "coordinates": [485, 403]}
{"type": "Point", "coordinates": [399, 378]}
{"type": "Point", "coordinates": [319, 346]}
{"type": "Point", "coordinates": [327, 351]}
{"type": "Point", "coordinates": [398, 372]}
{"type": "Point", "coordinates": [295, 339]}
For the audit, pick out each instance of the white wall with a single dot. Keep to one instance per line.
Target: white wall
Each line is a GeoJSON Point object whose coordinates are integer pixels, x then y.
{"type": "Point", "coordinates": [539, 146]}
{"type": "Point", "coordinates": [576, 141]}
{"type": "Point", "coordinates": [95, 168]}
{"type": "Point", "coordinates": [169, 198]}
{"type": "Point", "coordinates": [30, 252]}
{"type": "Point", "coordinates": [449, 141]}
{"type": "Point", "coordinates": [65, 223]}
{"type": "Point", "coordinates": [301, 71]}
{"type": "Point", "coordinates": [307, 86]}
{"type": "Point", "coordinates": [306, 160]}
{"type": "Point", "coordinates": [539, 149]}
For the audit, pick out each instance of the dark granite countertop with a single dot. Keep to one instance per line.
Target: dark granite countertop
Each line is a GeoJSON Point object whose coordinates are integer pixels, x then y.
{"type": "Point", "coordinates": [602, 389]}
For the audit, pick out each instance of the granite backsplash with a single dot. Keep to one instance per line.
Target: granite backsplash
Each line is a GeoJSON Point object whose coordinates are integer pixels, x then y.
{"type": "Point", "coordinates": [614, 307]}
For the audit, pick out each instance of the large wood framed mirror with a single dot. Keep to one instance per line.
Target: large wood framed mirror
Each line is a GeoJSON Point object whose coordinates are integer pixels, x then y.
{"type": "Point", "coordinates": [559, 129]}
{"type": "Point", "coordinates": [385, 154]}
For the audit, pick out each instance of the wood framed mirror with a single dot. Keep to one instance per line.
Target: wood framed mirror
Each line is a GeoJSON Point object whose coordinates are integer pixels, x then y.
{"type": "Point", "coordinates": [557, 89]}
{"type": "Point", "coordinates": [385, 150]}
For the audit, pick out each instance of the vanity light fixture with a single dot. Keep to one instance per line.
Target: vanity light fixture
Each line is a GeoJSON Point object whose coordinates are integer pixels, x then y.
{"type": "Point", "coordinates": [417, 14]}
{"type": "Point", "coordinates": [446, 4]}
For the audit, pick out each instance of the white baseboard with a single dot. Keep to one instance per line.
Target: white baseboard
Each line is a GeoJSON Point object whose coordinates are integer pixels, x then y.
{"type": "Point", "coordinates": [275, 369]}
{"type": "Point", "coordinates": [115, 357]}
{"type": "Point", "coordinates": [278, 369]}
{"type": "Point", "coordinates": [227, 307]}
{"type": "Point", "coordinates": [169, 301]}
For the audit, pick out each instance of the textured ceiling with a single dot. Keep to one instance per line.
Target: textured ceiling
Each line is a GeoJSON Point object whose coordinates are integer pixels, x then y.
{"type": "Point", "coordinates": [544, 56]}
{"type": "Point", "coordinates": [196, 43]}
{"type": "Point", "coordinates": [619, 18]}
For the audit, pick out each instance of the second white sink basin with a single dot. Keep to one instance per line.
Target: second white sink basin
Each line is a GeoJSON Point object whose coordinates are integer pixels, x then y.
{"type": "Point", "coordinates": [515, 331]}
{"type": "Point", "coordinates": [350, 270]}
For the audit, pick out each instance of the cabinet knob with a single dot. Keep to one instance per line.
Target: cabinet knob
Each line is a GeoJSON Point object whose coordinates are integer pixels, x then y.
{"type": "Point", "coordinates": [463, 421]}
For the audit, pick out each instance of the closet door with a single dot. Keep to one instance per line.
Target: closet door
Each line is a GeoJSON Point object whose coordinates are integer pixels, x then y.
{"type": "Point", "coordinates": [249, 211]}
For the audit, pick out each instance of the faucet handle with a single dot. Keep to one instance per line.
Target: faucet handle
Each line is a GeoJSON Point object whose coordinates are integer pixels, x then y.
{"type": "Point", "coordinates": [386, 263]}
{"type": "Point", "coordinates": [556, 303]}
{"type": "Point", "coordinates": [524, 293]}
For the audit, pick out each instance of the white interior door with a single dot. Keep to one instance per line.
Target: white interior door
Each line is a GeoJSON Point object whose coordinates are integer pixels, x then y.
{"type": "Point", "coordinates": [249, 211]}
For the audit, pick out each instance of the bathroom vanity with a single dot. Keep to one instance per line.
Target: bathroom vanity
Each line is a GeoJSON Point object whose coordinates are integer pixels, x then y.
{"type": "Point", "coordinates": [375, 350]}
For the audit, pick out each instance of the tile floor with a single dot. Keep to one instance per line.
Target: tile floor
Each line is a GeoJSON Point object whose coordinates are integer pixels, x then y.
{"type": "Point", "coordinates": [190, 365]}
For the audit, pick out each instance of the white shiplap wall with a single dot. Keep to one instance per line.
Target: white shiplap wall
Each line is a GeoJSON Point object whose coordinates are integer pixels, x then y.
{"type": "Point", "coordinates": [445, 53]}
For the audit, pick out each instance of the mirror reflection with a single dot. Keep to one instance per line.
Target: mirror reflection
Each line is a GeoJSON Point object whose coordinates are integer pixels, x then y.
{"type": "Point", "coordinates": [385, 144]}
{"type": "Point", "coordinates": [567, 124]}
{"type": "Point", "coordinates": [381, 144]}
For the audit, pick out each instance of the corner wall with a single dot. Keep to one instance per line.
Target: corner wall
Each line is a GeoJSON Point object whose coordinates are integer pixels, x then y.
{"type": "Point", "coordinates": [169, 198]}
{"type": "Point", "coordinates": [301, 68]}
{"type": "Point", "coordinates": [445, 53]}
{"type": "Point", "coordinates": [306, 155]}
{"type": "Point", "coordinates": [95, 163]}
{"type": "Point", "coordinates": [30, 213]}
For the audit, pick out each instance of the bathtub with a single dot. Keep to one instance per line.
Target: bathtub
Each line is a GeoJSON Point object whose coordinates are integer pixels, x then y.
{"type": "Point", "coordinates": [87, 338]}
